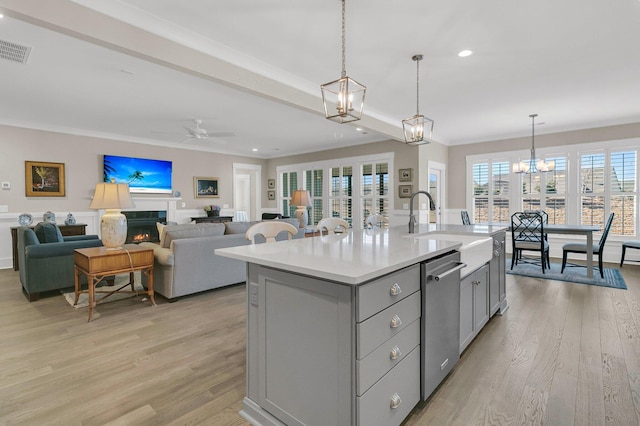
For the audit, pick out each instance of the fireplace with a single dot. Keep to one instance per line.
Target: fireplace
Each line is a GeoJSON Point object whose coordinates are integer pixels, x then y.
{"type": "Point", "coordinates": [141, 225]}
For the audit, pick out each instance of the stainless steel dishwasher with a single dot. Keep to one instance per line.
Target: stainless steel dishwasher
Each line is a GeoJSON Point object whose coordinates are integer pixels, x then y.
{"type": "Point", "coordinates": [440, 334]}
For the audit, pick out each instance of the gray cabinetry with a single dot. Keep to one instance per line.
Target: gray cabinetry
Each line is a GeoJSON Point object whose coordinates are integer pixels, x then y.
{"type": "Point", "coordinates": [474, 305]}
{"type": "Point", "coordinates": [497, 277]}
{"type": "Point", "coordinates": [323, 353]}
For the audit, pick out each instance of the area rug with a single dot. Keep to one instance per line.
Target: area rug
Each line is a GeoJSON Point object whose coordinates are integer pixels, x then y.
{"type": "Point", "coordinates": [612, 277]}
{"type": "Point", "coordinates": [83, 300]}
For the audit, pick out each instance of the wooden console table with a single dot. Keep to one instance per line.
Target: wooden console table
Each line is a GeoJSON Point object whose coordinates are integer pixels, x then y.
{"type": "Point", "coordinates": [97, 263]}
{"type": "Point", "coordinates": [65, 230]}
{"type": "Point", "coordinates": [212, 219]}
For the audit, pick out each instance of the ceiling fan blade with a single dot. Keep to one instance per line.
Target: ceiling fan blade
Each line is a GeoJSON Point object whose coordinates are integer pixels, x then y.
{"type": "Point", "coordinates": [220, 134]}
{"type": "Point", "coordinates": [167, 133]}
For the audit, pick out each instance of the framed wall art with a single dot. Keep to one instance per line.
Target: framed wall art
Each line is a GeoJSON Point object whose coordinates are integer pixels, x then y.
{"type": "Point", "coordinates": [271, 195]}
{"type": "Point", "coordinates": [405, 175]}
{"type": "Point", "coordinates": [271, 184]}
{"type": "Point", "coordinates": [44, 179]}
{"type": "Point", "coordinates": [205, 187]}
{"type": "Point", "coordinates": [405, 191]}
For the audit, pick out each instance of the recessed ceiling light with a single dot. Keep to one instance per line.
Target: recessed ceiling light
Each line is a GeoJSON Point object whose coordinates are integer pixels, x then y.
{"type": "Point", "coordinates": [1, 16]}
{"type": "Point", "coordinates": [254, 149]}
{"type": "Point", "coordinates": [359, 129]}
{"type": "Point", "coordinates": [465, 53]}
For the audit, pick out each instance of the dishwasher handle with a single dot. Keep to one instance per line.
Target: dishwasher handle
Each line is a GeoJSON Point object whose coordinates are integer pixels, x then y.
{"type": "Point", "coordinates": [457, 267]}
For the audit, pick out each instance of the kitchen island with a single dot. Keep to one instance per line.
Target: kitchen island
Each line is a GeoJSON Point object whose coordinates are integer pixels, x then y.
{"type": "Point", "coordinates": [334, 325]}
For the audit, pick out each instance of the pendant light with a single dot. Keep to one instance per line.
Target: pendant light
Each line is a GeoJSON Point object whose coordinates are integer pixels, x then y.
{"type": "Point", "coordinates": [414, 127]}
{"type": "Point", "coordinates": [533, 165]}
{"type": "Point", "coordinates": [343, 99]}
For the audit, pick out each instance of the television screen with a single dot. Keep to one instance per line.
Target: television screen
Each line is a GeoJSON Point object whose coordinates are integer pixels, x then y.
{"type": "Point", "coordinates": [143, 175]}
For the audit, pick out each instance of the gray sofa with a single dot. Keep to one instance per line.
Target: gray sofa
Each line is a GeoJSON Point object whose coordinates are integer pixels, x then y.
{"type": "Point", "coordinates": [185, 259]}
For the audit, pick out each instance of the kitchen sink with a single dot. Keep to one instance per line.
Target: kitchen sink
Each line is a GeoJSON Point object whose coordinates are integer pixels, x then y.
{"type": "Point", "coordinates": [475, 251]}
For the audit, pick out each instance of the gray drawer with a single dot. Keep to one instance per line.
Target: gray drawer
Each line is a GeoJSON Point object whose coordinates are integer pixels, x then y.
{"type": "Point", "coordinates": [380, 361]}
{"type": "Point", "coordinates": [376, 295]}
{"type": "Point", "coordinates": [374, 407]}
{"type": "Point", "coordinates": [378, 329]}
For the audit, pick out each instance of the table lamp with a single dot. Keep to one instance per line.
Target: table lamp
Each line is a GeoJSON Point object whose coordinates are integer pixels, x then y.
{"type": "Point", "coordinates": [302, 200]}
{"type": "Point", "coordinates": [113, 224]}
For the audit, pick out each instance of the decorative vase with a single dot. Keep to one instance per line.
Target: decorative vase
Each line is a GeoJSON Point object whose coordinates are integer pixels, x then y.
{"type": "Point", "coordinates": [70, 220]}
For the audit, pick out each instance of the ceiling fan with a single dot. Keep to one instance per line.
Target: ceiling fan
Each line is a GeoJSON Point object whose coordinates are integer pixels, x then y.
{"type": "Point", "coordinates": [198, 132]}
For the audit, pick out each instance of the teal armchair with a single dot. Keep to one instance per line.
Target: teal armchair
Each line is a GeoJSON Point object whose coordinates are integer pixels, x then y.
{"type": "Point", "coordinates": [46, 266]}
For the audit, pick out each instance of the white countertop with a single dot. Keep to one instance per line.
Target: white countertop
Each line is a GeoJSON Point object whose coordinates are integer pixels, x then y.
{"type": "Point", "coordinates": [356, 256]}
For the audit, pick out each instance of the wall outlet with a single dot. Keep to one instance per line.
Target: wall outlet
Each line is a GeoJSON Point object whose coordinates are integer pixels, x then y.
{"type": "Point", "coordinates": [4, 208]}
{"type": "Point", "coordinates": [184, 204]}
{"type": "Point", "coordinates": [225, 206]}
{"type": "Point", "coordinates": [405, 206]}
{"type": "Point", "coordinates": [6, 185]}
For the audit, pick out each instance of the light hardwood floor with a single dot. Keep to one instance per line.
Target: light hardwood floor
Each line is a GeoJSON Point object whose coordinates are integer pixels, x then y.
{"type": "Point", "coordinates": [563, 354]}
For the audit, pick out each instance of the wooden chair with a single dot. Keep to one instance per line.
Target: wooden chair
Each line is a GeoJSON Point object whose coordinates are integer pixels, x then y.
{"type": "Point", "coordinates": [377, 221]}
{"type": "Point", "coordinates": [582, 248]}
{"type": "Point", "coordinates": [330, 224]}
{"type": "Point", "coordinates": [465, 217]}
{"type": "Point", "coordinates": [527, 234]}
{"type": "Point", "coordinates": [269, 230]}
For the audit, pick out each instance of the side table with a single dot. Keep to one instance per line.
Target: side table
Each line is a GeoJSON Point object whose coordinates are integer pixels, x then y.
{"type": "Point", "coordinates": [212, 219]}
{"type": "Point", "coordinates": [97, 263]}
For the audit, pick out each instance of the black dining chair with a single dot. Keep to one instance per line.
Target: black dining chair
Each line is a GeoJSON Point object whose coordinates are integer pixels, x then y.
{"type": "Point", "coordinates": [598, 249]}
{"type": "Point", "coordinates": [545, 219]}
{"type": "Point", "coordinates": [527, 234]}
{"type": "Point", "coordinates": [465, 217]}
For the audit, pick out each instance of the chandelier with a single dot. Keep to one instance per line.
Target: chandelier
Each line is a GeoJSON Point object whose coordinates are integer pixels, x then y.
{"type": "Point", "coordinates": [533, 165]}
{"type": "Point", "coordinates": [414, 127]}
{"type": "Point", "coordinates": [343, 99]}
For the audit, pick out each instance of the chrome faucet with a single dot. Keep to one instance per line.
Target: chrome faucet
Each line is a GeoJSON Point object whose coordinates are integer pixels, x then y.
{"type": "Point", "coordinates": [412, 217]}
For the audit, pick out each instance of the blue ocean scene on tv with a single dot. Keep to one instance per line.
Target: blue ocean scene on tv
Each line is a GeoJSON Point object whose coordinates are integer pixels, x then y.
{"type": "Point", "coordinates": [143, 175]}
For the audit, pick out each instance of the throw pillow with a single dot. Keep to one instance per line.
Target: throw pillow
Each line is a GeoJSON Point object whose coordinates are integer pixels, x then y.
{"type": "Point", "coordinates": [237, 227]}
{"type": "Point", "coordinates": [160, 227]}
{"type": "Point", "coordinates": [48, 232]}
{"type": "Point", "coordinates": [189, 230]}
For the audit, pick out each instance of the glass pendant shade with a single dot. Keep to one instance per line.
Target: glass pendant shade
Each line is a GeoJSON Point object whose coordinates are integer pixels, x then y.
{"type": "Point", "coordinates": [343, 100]}
{"type": "Point", "coordinates": [520, 167]}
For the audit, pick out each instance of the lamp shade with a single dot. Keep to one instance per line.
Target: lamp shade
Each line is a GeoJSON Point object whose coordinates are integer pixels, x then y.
{"type": "Point", "coordinates": [111, 196]}
{"type": "Point", "coordinates": [301, 198]}
{"type": "Point", "coordinates": [113, 224]}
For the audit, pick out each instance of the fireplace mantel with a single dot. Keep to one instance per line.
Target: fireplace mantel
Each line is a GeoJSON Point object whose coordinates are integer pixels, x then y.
{"type": "Point", "coordinates": [156, 203]}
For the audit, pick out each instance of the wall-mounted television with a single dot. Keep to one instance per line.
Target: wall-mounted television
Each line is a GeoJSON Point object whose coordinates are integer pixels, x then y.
{"type": "Point", "coordinates": [144, 176]}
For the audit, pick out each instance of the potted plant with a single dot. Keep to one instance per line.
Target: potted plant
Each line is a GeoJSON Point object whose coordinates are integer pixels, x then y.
{"type": "Point", "coordinates": [212, 210]}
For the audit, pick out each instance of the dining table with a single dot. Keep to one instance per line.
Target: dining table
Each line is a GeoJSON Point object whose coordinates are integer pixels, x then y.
{"type": "Point", "coordinates": [586, 230]}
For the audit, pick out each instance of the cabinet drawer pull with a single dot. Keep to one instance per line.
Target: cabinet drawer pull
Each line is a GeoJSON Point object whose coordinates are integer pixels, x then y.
{"type": "Point", "coordinates": [395, 322]}
{"type": "Point", "coordinates": [395, 401]}
{"type": "Point", "coordinates": [395, 289]}
{"type": "Point", "coordinates": [395, 352]}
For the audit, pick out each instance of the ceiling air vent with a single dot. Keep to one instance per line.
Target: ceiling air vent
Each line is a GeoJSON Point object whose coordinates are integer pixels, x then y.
{"type": "Point", "coordinates": [14, 52]}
